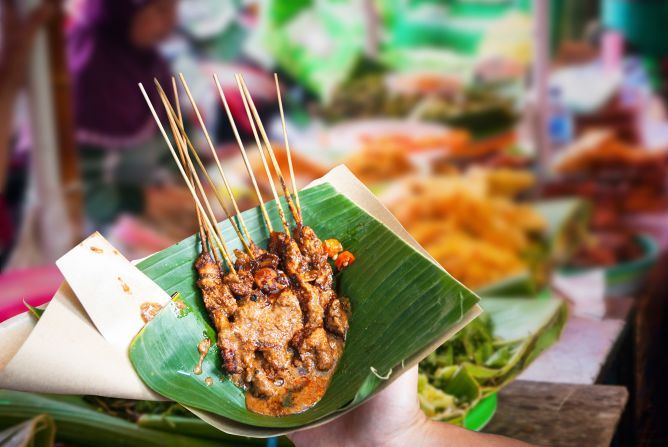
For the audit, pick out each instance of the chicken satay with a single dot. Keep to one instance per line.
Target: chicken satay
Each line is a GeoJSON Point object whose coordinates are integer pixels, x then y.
{"type": "Point", "coordinates": [336, 318]}
{"type": "Point", "coordinates": [287, 250]}
{"type": "Point", "coordinates": [216, 294]}
{"type": "Point", "coordinates": [314, 253]}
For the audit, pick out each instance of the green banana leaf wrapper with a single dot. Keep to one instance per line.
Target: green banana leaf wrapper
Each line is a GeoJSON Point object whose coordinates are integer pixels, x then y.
{"type": "Point", "coordinates": [487, 354]}
{"type": "Point", "coordinates": [567, 221]}
{"type": "Point", "coordinates": [76, 423]}
{"type": "Point", "coordinates": [404, 305]}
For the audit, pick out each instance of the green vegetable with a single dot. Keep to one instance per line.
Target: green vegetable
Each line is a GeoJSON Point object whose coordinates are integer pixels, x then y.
{"type": "Point", "coordinates": [192, 426]}
{"type": "Point", "coordinates": [78, 424]}
{"type": "Point", "coordinates": [39, 431]}
{"type": "Point", "coordinates": [34, 311]}
{"type": "Point", "coordinates": [487, 354]}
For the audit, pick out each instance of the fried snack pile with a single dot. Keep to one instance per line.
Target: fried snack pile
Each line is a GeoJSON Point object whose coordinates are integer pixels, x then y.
{"type": "Point", "coordinates": [469, 222]}
{"type": "Point", "coordinates": [619, 177]}
{"type": "Point", "coordinates": [600, 151]}
{"type": "Point", "coordinates": [281, 327]}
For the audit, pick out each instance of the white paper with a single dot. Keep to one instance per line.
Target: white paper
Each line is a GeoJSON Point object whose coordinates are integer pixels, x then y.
{"type": "Point", "coordinates": [586, 291]}
{"type": "Point", "coordinates": [65, 354]}
{"type": "Point", "coordinates": [110, 288]}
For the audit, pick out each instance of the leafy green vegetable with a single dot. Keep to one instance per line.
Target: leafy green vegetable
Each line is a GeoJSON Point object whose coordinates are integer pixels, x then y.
{"type": "Point", "coordinates": [487, 354]}
{"type": "Point", "coordinates": [34, 311]}
{"type": "Point", "coordinates": [78, 424]}
{"type": "Point", "coordinates": [39, 431]}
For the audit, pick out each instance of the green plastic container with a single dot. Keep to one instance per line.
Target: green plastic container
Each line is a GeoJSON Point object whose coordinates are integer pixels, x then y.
{"type": "Point", "coordinates": [626, 279]}
{"type": "Point", "coordinates": [480, 415]}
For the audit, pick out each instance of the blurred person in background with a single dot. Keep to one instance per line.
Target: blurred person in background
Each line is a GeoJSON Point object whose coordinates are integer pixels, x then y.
{"type": "Point", "coordinates": [112, 47]}
{"type": "Point", "coordinates": [16, 40]}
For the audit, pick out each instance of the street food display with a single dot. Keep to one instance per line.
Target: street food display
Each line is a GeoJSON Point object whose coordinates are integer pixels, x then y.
{"type": "Point", "coordinates": [371, 91]}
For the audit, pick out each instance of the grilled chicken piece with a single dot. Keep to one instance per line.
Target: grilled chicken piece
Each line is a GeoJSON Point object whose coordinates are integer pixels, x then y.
{"type": "Point", "coordinates": [216, 294]}
{"type": "Point", "coordinates": [336, 320]}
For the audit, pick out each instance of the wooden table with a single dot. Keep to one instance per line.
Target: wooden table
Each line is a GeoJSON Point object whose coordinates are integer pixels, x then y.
{"type": "Point", "coordinates": [551, 414]}
{"type": "Point", "coordinates": [589, 352]}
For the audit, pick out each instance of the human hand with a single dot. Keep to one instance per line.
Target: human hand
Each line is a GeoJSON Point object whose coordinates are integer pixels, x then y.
{"type": "Point", "coordinates": [16, 39]}
{"type": "Point", "coordinates": [390, 418]}
{"type": "Point", "coordinates": [394, 418]}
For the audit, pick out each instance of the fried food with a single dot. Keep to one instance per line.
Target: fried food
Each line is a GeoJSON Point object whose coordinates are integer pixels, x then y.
{"type": "Point", "coordinates": [469, 222]}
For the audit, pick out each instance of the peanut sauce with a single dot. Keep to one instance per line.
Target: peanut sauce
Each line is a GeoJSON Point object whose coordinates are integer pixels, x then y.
{"type": "Point", "coordinates": [299, 393]}
{"type": "Point", "coordinates": [203, 348]}
{"type": "Point", "coordinates": [180, 305]}
{"type": "Point", "coordinates": [149, 311]}
{"type": "Point", "coordinates": [124, 286]}
{"type": "Point", "coordinates": [208, 381]}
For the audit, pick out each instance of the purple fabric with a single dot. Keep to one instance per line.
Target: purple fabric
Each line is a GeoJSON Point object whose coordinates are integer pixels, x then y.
{"type": "Point", "coordinates": [106, 69]}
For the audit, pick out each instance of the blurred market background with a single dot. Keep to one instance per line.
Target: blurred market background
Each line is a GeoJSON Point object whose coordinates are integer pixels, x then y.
{"type": "Point", "coordinates": [522, 143]}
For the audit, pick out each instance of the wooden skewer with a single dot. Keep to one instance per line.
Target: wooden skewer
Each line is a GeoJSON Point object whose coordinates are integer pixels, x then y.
{"type": "Point", "coordinates": [193, 174]}
{"type": "Point", "coordinates": [287, 147]}
{"type": "Point", "coordinates": [244, 155]}
{"type": "Point", "coordinates": [220, 243]}
{"type": "Point", "coordinates": [279, 207]}
{"type": "Point", "coordinates": [215, 156]}
{"type": "Point", "coordinates": [188, 144]}
{"type": "Point", "coordinates": [270, 150]}
{"type": "Point", "coordinates": [183, 151]}
{"type": "Point", "coordinates": [202, 236]}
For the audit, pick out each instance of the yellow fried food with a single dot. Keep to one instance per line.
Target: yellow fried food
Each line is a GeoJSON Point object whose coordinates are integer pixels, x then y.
{"type": "Point", "coordinates": [477, 235]}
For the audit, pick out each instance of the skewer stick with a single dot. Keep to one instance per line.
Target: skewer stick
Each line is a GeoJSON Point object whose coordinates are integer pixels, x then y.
{"type": "Point", "coordinates": [187, 144]}
{"type": "Point", "coordinates": [287, 146]}
{"type": "Point", "coordinates": [279, 207]}
{"type": "Point", "coordinates": [270, 150]}
{"type": "Point", "coordinates": [183, 151]}
{"type": "Point", "coordinates": [193, 174]}
{"type": "Point", "coordinates": [219, 243]}
{"type": "Point", "coordinates": [244, 155]}
{"type": "Point", "coordinates": [215, 156]}
{"type": "Point", "coordinates": [202, 237]}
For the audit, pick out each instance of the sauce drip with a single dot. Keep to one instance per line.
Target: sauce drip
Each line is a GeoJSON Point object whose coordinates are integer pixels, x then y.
{"type": "Point", "coordinates": [208, 381]}
{"type": "Point", "coordinates": [300, 391]}
{"type": "Point", "coordinates": [203, 348]}
{"type": "Point", "coordinates": [124, 286]}
{"type": "Point", "coordinates": [149, 311]}
{"type": "Point", "coordinates": [96, 250]}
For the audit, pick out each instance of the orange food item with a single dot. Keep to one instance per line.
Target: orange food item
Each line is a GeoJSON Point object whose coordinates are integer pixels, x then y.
{"type": "Point", "coordinates": [344, 260]}
{"type": "Point", "coordinates": [332, 247]}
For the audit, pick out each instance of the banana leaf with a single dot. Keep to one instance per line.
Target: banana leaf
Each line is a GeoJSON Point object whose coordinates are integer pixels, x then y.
{"type": "Point", "coordinates": [404, 305]}
{"type": "Point", "coordinates": [40, 431]}
{"type": "Point", "coordinates": [78, 424]}
{"type": "Point", "coordinates": [567, 221]}
{"type": "Point", "coordinates": [191, 426]}
{"type": "Point", "coordinates": [452, 383]}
